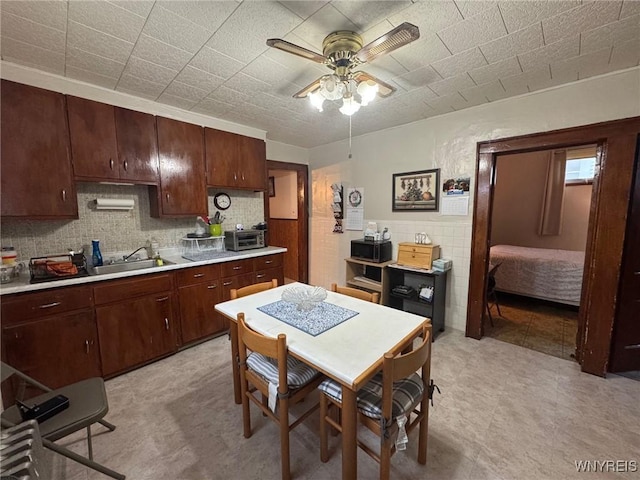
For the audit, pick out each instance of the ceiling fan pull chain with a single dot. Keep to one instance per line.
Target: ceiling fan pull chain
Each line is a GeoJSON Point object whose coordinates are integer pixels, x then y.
{"type": "Point", "coordinates": [349, 136]}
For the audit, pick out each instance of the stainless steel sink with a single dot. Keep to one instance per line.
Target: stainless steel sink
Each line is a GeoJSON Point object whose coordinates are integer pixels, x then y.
{"type": "Point", "coordinates": [125, 266]}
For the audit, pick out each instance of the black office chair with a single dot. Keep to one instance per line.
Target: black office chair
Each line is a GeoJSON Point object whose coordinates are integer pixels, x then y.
{"type": "Point", "coordinates": [491, 292]}
{"type": "Point", "coordinates": [87, 405]}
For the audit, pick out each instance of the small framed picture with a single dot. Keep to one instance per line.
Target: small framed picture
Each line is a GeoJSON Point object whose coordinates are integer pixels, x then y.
{"type": "Point", "coordinates": [416, 191]}
{"type": "Point", "coordinates": [272, 187]}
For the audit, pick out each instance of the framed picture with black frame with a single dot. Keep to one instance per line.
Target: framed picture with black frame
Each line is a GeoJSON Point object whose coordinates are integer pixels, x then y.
{"type": "Point", "coordinates": [416, 191]}
{"type": "Point", "coordinates": [272, 187]}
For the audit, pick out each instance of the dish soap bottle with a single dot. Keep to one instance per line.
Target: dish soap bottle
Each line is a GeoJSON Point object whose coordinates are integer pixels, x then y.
{"type": "Point", "coordinates": [96, 256]}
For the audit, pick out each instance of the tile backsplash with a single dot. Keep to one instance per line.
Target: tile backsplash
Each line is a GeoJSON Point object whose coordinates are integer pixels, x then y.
{"type": "Point", "coordinates": [119, 230]}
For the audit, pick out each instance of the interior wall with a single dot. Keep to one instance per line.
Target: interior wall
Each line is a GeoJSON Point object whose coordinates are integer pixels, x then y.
{"type": "Point", "coordinates": [517, 205]}
{"type": "Point", "coordinates": [285, 203]}
{"type": "Point", "coordinates": [447, 142]}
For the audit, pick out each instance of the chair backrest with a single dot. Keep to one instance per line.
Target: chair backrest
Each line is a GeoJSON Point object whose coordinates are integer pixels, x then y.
{"type": "Point", "coordinates": [356, 293]}
{"type": "Point", "coordinates": [397, 367]}
{"type": "Point", "coordinates": [251, 289]}
{"type": "Point", "coordinates": [256, 342]}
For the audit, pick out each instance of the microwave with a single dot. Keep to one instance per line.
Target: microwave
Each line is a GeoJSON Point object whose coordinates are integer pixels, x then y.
{"type": "Point", "coordinates": [238, 240]}
{"type": "Point", "coordinates": [372, 251]}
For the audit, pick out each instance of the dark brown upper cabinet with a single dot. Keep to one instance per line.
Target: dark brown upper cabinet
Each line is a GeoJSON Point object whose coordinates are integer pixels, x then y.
{"type": "Point", "coordinates": [37, 179]}
{"type": "Point", "coordinates": [235, 161]}
{"type": "Point", "coordinates": [182, 189]}
{"type": "Point", "coordinates": [112, 144]}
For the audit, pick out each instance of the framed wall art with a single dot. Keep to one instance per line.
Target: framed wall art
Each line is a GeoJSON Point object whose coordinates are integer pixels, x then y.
{"type": "Point", "coordinates": [416, 191]}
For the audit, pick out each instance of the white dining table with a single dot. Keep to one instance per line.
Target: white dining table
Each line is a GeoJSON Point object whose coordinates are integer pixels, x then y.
{"type": "Point", "coordinates": [349, 353]}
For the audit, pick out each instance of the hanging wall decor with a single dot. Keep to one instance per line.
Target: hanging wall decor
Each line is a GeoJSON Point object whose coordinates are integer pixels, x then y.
{"type": "Point", "coordinates": [416, 191]}
{"type": "Point", "coordinates": [337, 207]}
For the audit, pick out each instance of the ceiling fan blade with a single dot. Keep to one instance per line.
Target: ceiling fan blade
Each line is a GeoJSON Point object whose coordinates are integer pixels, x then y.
{"type": "Point", "coordinates": [312, 87]}
{"type": "Point", "coordinates": [396, 38]}
{"type": "Point", "coordinates": [296, 50]}
{"type": "Point", "coordinates": [384, 89]}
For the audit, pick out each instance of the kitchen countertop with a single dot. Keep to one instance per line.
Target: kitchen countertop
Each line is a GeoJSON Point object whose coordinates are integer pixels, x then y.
{"type": "Point", "coordinates": [21, 284]}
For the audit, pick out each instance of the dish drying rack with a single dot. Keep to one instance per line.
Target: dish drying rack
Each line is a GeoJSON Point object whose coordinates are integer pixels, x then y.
{"type": "Point", "coordinates": [206, 244]}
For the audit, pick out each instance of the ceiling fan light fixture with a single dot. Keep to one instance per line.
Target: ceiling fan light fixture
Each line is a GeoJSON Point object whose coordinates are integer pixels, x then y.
{"type": "Point", "coordinates": [316, 100]}
{"type": "Point", "coordinates": [349, 105]}
{"type": "Point", "coordinates": [367, 90]}
{"type": "Point", "coordinates": [331, 87]}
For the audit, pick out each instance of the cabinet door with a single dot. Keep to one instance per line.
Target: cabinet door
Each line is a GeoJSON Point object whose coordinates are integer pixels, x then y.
{"type": "Point", "coordinates": [135, 331]}
{"type": "Point", "coordinates": [269, 274]}
{"type": "Point", "coordinates": [253, 163]}
{"type": "Point", "coordinates": [36, 173]}
{"type": "Point", "coordinates": [92, 129]}
{"type": "Point", "coordinates": [182, 170]}
{"type": "Point", "coordinates": [198, 318]}
{"type": "Point", "coordinates": [223, 160]}
{"type": "Point", "coordinates": [57, 350]}
{"type": "Point", "coordinates": [137, 146]}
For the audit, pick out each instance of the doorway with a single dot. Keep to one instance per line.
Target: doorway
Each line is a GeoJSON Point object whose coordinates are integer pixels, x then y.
{"type": "Point", "coordinates": [616, 142]}
{"type": "Point", "coordinates": [287, 207]}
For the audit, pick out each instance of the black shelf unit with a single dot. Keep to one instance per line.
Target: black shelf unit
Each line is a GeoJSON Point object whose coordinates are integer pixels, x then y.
{"type": "Point", "coordinates": [399, 275]}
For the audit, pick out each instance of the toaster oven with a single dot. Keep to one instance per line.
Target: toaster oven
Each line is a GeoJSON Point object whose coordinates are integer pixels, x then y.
{"type": "Point", "coordinates": [238, 240]}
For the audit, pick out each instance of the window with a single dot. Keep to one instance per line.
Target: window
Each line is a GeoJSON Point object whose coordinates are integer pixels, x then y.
{"type": "Point", "coordinates": [580, 171]}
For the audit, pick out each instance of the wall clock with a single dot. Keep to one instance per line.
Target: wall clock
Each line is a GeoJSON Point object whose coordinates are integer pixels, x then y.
{"type": "Point", "coordinates": [222, 201]}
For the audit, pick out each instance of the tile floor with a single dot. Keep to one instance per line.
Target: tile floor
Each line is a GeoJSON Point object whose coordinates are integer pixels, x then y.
{"type": "Point", "coordinates": [535, 324]}
{"type": "Point", "coordinates": [504, 413]}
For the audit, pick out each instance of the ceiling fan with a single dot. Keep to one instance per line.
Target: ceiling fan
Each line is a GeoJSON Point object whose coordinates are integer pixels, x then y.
{"type": "Point", "coordinates": [342, 52]}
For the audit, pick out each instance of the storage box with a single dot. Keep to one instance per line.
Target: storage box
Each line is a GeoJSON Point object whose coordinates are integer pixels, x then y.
{"type": "Point", "coordinates": [441, 264]}
{"type": "Point", "coordinates": [417, 255]}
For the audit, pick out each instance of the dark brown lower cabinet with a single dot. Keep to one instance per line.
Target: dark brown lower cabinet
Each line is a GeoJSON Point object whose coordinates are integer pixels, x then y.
{"type": "Point", "coordinates": [198, 317]}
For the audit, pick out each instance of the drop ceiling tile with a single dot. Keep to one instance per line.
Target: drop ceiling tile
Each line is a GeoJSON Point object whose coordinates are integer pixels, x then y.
{"type": "Point", "coordinates": [304, 9]}
{"type": "Point", "coordinates": [199, 79]}
{"type": "Point", "coordinates": [518, 15]}
{"type": "Point", "coordinates": [515, 43]}
{"type": "Point", "coordinates": [93, 63]}
{"type": "Point", "coordinates": [160, 53]}
{"type": "Point", "coordinates": [325, 21]}
{"type": "Point", "coordinates": [243, 49]}
{"type": "Point", "coordinates": [387, 64]}
{"type": "Point", "coordinates": [182, 90]}
{"type": "Point", "coordinates": [608, 35]}
{"type": "Point", "coordinates": [366, 14]}
{"type": "Point", "coordinates": [469, 8]}
{"type": "Point", "coordinates": [213, 107]}
{"type": "Point", "coordinates": [51, 14]}
{"type": "Point", "coordinates": [417, 78]}
{"type": "Point", "coordinates": [475, 98]}
{"type": "Point", "coordinates": [459, 63]}
{"type": "Point", "coordinates": [269, 71]}
{"type": "Point", "coordinates": [32, 56]}
{"type": "Point", "coordinates": [495, 71]}
{"type": "Point", "coordinates": [585, 17]}
{"type": "Point", "coordinates": [228, 95]}
{"type": "Point", "coordinates": [625, 55]}
{"type": "Point", "coordinates": [424, 51]}
{"type": "Point", "coordinates": [560, 50]}
{"type": "Point", "coordinates": [429, 17]}
{"type": "Point", "coordinates": [629, 8]}
{"type": "Point", "coordinates": [91, 77]}
{"type": "Point", "coordinates": [443, 104]}
{"type": "Point", "coordinates": [175, 30]}
{"type": "Point", "coordinates": [452, 85]}
{"type": "Point", "coordinates": [571, 67]}
{"type": "Point", "coordinates": [149, 71]}
{"type": "Point", "coordinates": [479, 29]}
{"type": "Point", "coordinates": [490, 91]}
{"type": "Point", "coordinates": [139, 87]}
{"type": "Point", "coordinates": [244, 83]}
{"type": "Point", "coordinates": [27, 31]}
{"type": "Point", "coordinates": [107, 18]}
{"type": "Point", "coordinates": [262, 20]}
{"type": "Point", "coordinates": [216, 63]}
{"type": "Point", "coordinates": [139, 7]}
{"type": "Point", "coordinates": [517, 84]}
{"type": "Point", "coordinates": [93, 41]}
{"type": "Point", "coordinates": [210, 15]}
{"type": "Point", "coordinates": [175, 101]}
{"type": "Point", "coordinates": [417, 96]}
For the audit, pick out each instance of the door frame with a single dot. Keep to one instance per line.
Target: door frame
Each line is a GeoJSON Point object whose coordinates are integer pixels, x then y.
{"type": "Point", "coordinates": [302, 175]}
{"type": "Point", "coordinates": [616, 142]}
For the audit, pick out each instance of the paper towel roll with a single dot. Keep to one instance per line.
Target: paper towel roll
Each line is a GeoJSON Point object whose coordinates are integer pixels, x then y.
{"type": "Point", "coordinates": [113, 204]}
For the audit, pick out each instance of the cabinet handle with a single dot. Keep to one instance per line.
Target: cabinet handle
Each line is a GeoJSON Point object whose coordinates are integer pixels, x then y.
{"type": "Point", "coordinates": [167, 197]}
{"type": "Point", "coordinates": [268, 262]}
{"type": "Point", "coordinates": [111, 163]}
{"type": "Point", "coordinates": [243, 176]}
{"type": "Point", "coordinates": [49, 305]}
{"type": "Point", "coordinates": [198, 275]}
{"type": "Point", "coordinates": [162, 299]}
{"type": "Point", "coordinates": [126, 164]}
{"type": "Point", "coordinates": [211, 287]}
{"type": "Point", "coordinates": [64, 195]}
{"type": "Point", "coordinates": [237, 268]}
{"type": "Point", "coordinates": [235, 177]}
{"type": "Point", "coordinates": [261, 275]}
{"type": "Point", "coordinates": [86, 346]}
{"type": "Point", "coordinates": [166, 323]}
{"type": "Point", "coordinates": [226, 284]}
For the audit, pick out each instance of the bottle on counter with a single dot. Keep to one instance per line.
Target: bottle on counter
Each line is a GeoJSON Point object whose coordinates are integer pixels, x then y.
{"type": "Point", "coordinates": [97, 255]}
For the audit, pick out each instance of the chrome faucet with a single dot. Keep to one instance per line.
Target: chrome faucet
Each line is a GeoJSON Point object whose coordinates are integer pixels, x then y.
{"type": "Point", "coordinates": [126, 257]}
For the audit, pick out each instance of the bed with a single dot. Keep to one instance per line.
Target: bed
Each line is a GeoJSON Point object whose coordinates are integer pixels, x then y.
{"type": "Point", "coordinates": [544, 273]}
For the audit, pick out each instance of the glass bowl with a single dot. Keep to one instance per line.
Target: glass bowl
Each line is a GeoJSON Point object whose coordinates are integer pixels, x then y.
{"type": "Point", "coordinates": [305, 298]}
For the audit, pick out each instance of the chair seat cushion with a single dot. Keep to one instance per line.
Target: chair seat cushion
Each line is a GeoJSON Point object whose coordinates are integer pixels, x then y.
{"type": "Point", "coordinates": [298, 373]}
{"type": "Point", "coordinates": [406, 393]}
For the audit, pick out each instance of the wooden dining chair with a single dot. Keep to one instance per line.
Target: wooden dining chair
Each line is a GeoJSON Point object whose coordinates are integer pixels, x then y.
{"type": "Point", "coordinates": [251, 289]}
{"type": "Point", "coordinates": [356, 293]}
{"type": "Point", "coordinates": [491, 292]}
{"type": "Point", "coordinates": [394, 394]}
{"type": "Point", "coordinates": [266, 365]}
